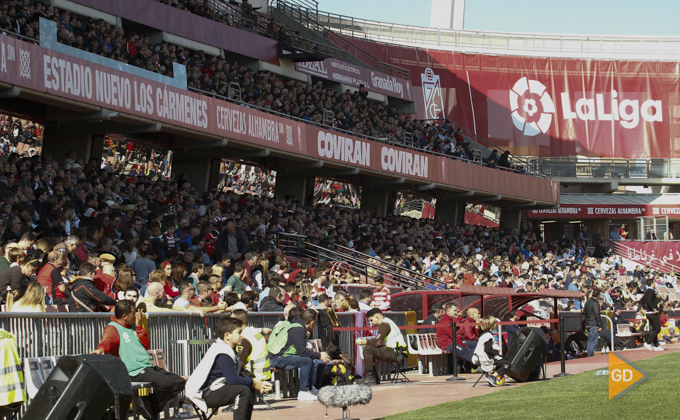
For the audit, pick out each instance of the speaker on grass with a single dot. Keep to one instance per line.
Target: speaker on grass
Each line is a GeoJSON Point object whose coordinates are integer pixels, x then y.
{"type": "Point", "coordinates": [83, 388]}
{"type": "Point", "coordinates": [526, 351]}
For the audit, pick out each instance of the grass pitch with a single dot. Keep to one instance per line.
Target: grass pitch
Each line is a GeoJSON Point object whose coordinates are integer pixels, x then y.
{"type": "Point", "coordinates": [581, 396]}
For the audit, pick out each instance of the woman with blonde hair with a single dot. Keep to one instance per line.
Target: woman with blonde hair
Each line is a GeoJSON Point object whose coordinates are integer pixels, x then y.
{"type": "Point", "coordinates": [32, 301]}
{"type": "Point", "coordinates": [217, 270]}
{"type": "Point", "coordinates": [306, 289]}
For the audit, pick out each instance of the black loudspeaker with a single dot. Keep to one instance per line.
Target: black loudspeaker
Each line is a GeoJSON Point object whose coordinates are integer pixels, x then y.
{"type": "Point", "coordinates": [83, 388]}
{"type": "Point", "coordinates": [526, 351]}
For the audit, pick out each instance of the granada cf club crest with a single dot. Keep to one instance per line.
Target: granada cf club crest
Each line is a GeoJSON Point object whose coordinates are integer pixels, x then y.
{"type": "Point", "coordinates": [432, 95]}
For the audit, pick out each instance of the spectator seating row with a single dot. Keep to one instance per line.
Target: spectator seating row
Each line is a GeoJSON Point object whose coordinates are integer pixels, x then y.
{"type": "Point", "coordinates": [431, 358]}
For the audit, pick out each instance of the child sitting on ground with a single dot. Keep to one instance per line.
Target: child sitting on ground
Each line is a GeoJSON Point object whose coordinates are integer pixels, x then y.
{"type": "Point", "coordinates": [487, 354]}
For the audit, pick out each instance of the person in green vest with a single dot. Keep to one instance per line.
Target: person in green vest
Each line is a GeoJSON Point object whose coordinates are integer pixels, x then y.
{"type": "Point", "coordinates": [288, 350]}
{"type": "Point", "coordinates": [125, 337]}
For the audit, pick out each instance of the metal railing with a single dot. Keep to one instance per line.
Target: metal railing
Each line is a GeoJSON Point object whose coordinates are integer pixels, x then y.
{"type": "Point", "coordinates": [221, 9]}
{"type": "Point", "coordinates": [320, 250]}
{"type": "Point", "coordinates": [328, 118]}
{"type": "Point", "coordinates": [470, 41]}
{"type": "Point", "coordinates": [367, 58]}
{"type": "Point", "coordinates": [42, 335]}
{"type": "Point", "coordinates": [485, 147]}
{"type": "Point", "coordinates": [309, 17]}
{"type": "Point", "coordinates": [59, 334]}
{"type": "Point", "coordinates": [587, 167]}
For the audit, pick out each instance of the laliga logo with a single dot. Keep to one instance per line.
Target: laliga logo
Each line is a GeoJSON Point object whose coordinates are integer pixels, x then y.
{"type": "Point", "coordinates": [527, 117]}
{"type": "Point", "coordinates": [533, 109]}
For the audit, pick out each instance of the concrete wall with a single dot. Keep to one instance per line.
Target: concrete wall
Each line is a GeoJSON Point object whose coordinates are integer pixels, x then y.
{"type": "Point", "coordinates": [192, 45]}
{"type": "Point", "coordinates": [291, 185]}
{"type": "Point", "coordinates": [510, 219]}
{"type": "Point", "coordinates": [372, 198]}
{"type": "Point", "coordinates": [85, 11]}
{"type": "Point", "coordinates": [449, 211]}
{"type": "Point", "coordinates": [285, 69]}
{"type": "Point", "coordinates": [61, 140]}
{"type": "Point", "coordinates": [197, 171]}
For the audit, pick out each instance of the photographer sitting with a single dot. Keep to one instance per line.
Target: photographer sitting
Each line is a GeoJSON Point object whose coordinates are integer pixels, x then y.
{"type": "Point", "coordinates": [382, 347]}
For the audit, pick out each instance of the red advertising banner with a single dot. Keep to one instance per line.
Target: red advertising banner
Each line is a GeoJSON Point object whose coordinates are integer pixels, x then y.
{"type": "Point", "coordinates": [188, 25]}
{"type": "Point", "coordinates": [33, 67]}
{"type": "Point", "coordinates": [349, 74]}
{"type": "Point", "coordinates": [548, 106]}
{"type": "Point", "coordinates": [604, 211]}
{"type": "Point", "coordinates": [659, 255]}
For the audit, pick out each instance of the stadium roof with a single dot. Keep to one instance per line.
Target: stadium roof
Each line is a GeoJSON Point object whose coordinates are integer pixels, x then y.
{"type": "Point", "coordinates": [621, 199]}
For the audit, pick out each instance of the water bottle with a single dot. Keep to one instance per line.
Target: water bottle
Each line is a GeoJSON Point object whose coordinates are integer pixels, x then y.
{"type": "Point", "coordinates": [602, 372]}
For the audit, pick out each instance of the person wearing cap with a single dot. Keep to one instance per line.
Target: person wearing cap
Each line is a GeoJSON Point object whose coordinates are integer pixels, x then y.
{"type": "Point", "coordinates": [436, 313]}
{"type": "Point", "coordinates": [209, 246]}
{"type": "Point", "coordinates": [128, 214]}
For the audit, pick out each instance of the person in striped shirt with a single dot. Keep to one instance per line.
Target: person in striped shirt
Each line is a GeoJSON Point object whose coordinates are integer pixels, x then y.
{"type": "Point", "coordinates": [382, 298]}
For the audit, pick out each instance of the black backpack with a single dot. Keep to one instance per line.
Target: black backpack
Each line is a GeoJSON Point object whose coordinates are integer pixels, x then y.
{"type": "Point", "coordinates": [341, 373]}
{"type": "Point", "coordinates": [327, 320]}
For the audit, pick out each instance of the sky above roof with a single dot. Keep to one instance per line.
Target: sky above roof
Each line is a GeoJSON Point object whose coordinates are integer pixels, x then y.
{"type": "Point", "coordinates": [620, 17]}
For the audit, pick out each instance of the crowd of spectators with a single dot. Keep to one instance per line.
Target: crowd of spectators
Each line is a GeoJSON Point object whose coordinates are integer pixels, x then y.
{"type": "Point", "coordinates": [351, 111]}
{"type": "Point", "coordinates": [19, 136]}
{"type": "Point", "coordinates": [123, 233]}
{"type": "Point", "coordinates": [90, 237]}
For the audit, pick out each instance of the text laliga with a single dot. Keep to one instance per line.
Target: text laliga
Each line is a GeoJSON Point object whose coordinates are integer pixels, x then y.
{"type": "Point", "coordinates": [594, 109]}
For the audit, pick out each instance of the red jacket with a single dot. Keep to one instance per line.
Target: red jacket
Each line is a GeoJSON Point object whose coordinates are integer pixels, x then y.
{"type": "Point", "coordinates": [111, 340]}
{"type": "Point", "coordinates": [445, 335]}
{"type": "Point", "coordinates": [468, 333]}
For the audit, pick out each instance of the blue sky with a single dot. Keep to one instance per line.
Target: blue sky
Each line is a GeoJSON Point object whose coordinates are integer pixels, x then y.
{"type": "Point", "coordinates": [625, 17]}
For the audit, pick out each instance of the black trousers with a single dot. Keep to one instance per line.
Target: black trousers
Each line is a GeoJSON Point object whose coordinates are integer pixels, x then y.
{"type": "Point", "coordinates": [165, 386]}
{"type": "Point", "coordinates": [654, 329]}
{"type": "Point", "coordinates": [241, 396]}
{"type": "Point", "coordinates": [502, 365]}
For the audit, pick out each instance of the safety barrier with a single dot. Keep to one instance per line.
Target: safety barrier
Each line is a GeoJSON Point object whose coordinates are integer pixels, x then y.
{"type": "Point", "coordinates": [41, 335]}
{"type": "Point", "coordinates": [52, 334]}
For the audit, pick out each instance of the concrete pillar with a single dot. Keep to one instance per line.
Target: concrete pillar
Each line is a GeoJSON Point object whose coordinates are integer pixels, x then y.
{"type": "Point", "coordinates": [295, 185]}
{"type": "Point", "coordinates": [61, 140]}
{"type": "Point", "coordinates": [510, 219]}
{"type": "Point", "coordinates": [448, 211]}
{"type": "Point", "coordinates": [372, 198]}
{"type": "Point", "coordinates": [197, 171]}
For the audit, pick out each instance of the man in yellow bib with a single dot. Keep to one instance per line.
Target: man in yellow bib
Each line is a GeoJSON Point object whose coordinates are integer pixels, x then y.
{"type": "Point", "coordinates": [383, 346]}
{"type": "Point", "coordinates": [253, 347]}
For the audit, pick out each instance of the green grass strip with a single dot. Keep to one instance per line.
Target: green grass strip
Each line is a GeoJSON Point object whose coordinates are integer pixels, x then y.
{"type": "Point", "coordinates": [581, 396]}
